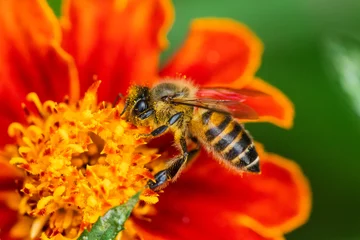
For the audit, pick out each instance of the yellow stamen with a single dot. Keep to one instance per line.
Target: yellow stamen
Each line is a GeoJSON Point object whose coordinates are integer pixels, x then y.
{"type": "Point", "coordinates": [79, 160]}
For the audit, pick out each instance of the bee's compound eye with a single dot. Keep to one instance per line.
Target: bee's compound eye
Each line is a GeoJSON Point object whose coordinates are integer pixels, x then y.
{"type": "Point", "coordinates": [141, 106]}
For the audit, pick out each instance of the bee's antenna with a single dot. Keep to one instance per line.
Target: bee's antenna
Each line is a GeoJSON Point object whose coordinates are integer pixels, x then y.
{"type": "Point", "coordinates": [117, 99]}
{"type": "Point", "coordinates": [125, 107]}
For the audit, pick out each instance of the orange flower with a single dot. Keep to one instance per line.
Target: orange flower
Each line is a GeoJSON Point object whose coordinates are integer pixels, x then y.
{"type": "Point", "coordinates": [78, 158]}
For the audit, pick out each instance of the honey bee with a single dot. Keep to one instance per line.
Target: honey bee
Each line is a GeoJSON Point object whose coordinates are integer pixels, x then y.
{"type": "Point", "coordinates": [205, 116]}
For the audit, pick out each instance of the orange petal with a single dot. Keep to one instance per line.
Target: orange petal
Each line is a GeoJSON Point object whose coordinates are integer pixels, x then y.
{"type": "Point", "coordinates": [118, 42]}
{"type": "Point", "coordinates": [30, 58]}
{"type": "Point", "coordinates": [197, 229]}
{"type": "Point", "coordinates": [210, 201]}
{"type": "Point", "coordinates": [273, 107]}
{"type": "Point", "coordinates": [10, 176]}
{"type": "Point", "coordinates": [217, 51]}
{"type": "Point", "coordinates": [4, 122]}
{"type": "Point", "coordinates": [8, 218]}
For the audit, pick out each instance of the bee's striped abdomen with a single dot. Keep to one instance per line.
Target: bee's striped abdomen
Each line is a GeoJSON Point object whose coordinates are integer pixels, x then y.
{"type": "Point", "coordinates": [230, 141]}
{"type": "Point", "coordinates": [216, 131]}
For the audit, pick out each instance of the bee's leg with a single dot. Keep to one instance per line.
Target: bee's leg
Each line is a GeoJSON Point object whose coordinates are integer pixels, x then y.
{"type": "Point", "coordinates": [146, 114]}
{"type": "Point", "coordinates": [163, 177]}
{"type": "Point", "coordinates": [163, 128]}
{"type": "Point", "coordinates": [117, 99]}
{"type": "Point", "coordinates": [160, 130]}
{"type": "Point", "coordinates": [170, 173]}
{"type": "Point", "coordinates": [193, 152]}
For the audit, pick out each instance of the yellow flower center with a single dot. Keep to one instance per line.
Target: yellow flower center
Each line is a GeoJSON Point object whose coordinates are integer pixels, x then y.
{"type": "Point", "coordinates": [79, 161]}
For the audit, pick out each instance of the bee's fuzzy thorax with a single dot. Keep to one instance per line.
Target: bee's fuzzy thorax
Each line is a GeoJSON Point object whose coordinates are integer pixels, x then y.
{"type": "Point", "coordinates": [181, 83]}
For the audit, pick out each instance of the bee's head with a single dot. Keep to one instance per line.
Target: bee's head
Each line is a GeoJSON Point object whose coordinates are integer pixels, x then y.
{"type": "Point", "coordinates": [137, 103]}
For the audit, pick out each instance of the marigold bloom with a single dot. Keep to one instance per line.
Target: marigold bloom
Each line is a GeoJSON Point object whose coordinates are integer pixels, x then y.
{"type": "Point", "coordinates": [72, 157]}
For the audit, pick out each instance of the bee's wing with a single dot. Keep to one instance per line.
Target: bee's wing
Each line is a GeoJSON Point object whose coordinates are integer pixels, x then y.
{"type": "Point", "coordinates": [227, 100]}
{"type": "Point", "coordinates": [229, 93]}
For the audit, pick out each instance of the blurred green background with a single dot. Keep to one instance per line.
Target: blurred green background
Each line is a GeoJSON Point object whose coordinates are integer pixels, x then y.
{"type": "Point", "coordinates": [325, 139]}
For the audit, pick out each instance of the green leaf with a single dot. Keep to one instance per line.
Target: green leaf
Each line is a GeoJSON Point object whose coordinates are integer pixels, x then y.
{"type": "Point", "coordinates": [108, 226]}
